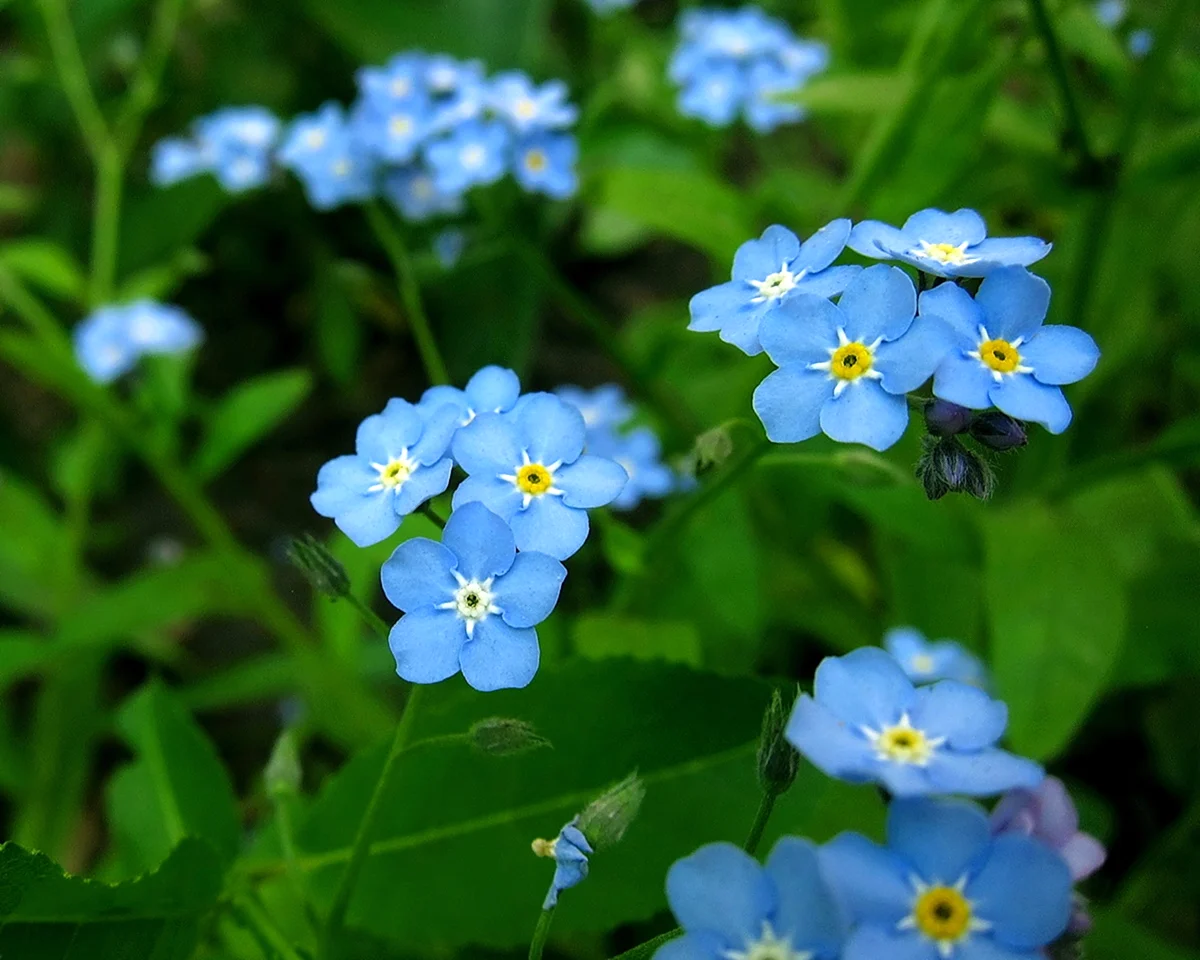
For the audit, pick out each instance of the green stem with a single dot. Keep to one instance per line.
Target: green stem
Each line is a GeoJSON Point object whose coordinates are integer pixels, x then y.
{"type": "Point", "coordinates": [1073, 116]}
{"type": "Point", "coordinates": [366, 828]}
{"type": "Point", "coordinates": [765, 806]}
{"type": "Point", "coordinates": [287, 843]}
{"type": "Point", "coordinates": [72, 74]}
{"type": "Point", "coordinates": [143, 88]}
{"type": "Point", "coordinates": [426, 510]}
{"type": "Point", "coordinates": [369, 616]}
{"type": "Point", "coordinates": [644, 951]}
{"type": "Point", "coordinates": [410, 293]}
{"type": "Point", "coordinates": [540, 933]}
{"type": "Point", "coordinates": [265, 930]}
{"type": "Point", "coordinates": [106, 222]}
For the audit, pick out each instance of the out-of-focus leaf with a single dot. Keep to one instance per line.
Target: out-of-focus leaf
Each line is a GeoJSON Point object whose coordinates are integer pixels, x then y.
{"type": "Point", "coordinates": [159, 222]}
{"type": "Point", "coordinates": [22, 654]}
{"type": "Point", "coordinates": [245, 415]}
{"type": "Point", "coordinates": [46, 265]}
{"type": "Point", "coordinates": [1116, 938]}
{"type": "Point", "coordinates": [339, 332]}
{"type": "Point", "coordinates": [851, 93]}
{"type": "Point", "coordinates": [30, 548]}
{"type": "Point", "coordinates": [597, 636]}
{"type": "Point", "coordinates": [159, 281]}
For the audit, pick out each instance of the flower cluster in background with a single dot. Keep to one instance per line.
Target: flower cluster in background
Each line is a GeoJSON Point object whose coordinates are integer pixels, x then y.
{"type": "Point", "coordinates": [110, 341]}
{"type": "Point", "coordinates": [1112, 14]}
{"type": "Point", "coordinates": [927, 661]}
{"type": "Point", "coordinates": [234, 144]}
{"type": "Point", "coordinates": [732, 63]}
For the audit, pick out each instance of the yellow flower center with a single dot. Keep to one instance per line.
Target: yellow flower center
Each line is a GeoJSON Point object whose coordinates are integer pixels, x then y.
{"type": "Point", "coordinates": [314, 139]}
{"type": "Point", "coordinates": [903, 743]}
{"type": "Point", "coordinates": [400, 87]}
{"type": "Point", "coordinates": [1000, 355]}
{"type": "Point", "coordinates": [942, 914]}
{"type": "Point", "coordinates": [525, 108]}
{"type": "Point", "coordinates": [393, 473]}
{"type": "Point", "coordinates": [923, 663]}
{"type": "Point", "coordinates": [850, 361]}
{"type": "Point", "coordinates": [341, 168]}
{"type": "Point", "coordinates": [535, 479]}
{"type": "Point", "coordinates": [400, 125]}
{"type": "Point", "coordinates": [535, 161]}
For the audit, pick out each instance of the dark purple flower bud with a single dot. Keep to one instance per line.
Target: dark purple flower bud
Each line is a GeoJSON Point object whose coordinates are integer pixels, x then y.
{"type": "Point", "coordinates": [945, 419]}
{"type": "Point", "coordinates": [953, 463]}
{"type": "Point", "coordinates": [999, 431]}
{"type": "Point", "coordinates": [1049, 814]}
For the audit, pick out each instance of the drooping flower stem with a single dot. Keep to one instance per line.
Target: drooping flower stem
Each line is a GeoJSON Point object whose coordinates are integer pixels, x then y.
{"type": "Point", "coordinates": [369, 616]}
{"type": "Point", "coordinates": [366, 828]}
{"type": "Point", "coordinates": [540, 933]}
{"type": "Point", "coordinates": [765, 806]}
{"type": "Point", "coordinates": [410, 292]}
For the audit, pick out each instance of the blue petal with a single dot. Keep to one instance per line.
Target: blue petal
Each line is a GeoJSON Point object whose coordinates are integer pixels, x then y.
{"type": "Point", "coordinates": [875, 943]}
{"type": "Point", "coordinates": [493, 390]}
{"type": "Point", "coordinates": [426, 645]}
{"type": "Point", "coordinates": [880, 302]}
{"type": "Point", "coordinates": [1014, 302]}
{"type": "Point", "coordinates": [711, 309]}
{"type": "Point", "coordinates": [549, 526]}
{"type": "Point", "coordinates": [966, 716]}
{"type": "Point", "coordinates": [903, 779]}
{"type": "Point", "coordinates": [424, 483]}
{"type": "Point", "coordinates": [382, 436]}
{"type": "Point", "coordinates": [823, 247]}
{"type": "Point", "coordinates": [828, 742]}
{"type": "Point", "coordinates": [908, 362]}
{"type": "Point", "coordinates": [698, 945]}
{"type": "Point", "coordinates": [937, 226]}
{"type": "Point", "coordinates": [440, 396]}
{"type": "Point", "coordinates": [866, 687]}
{"type": "Point", "coordinates": [788, 402]}
{"type": "Point", "coordinates": [942, 839]}
{"type": "Point", "coordinates": [865, 413]}
{"type": "Point", "coordinates": [952, 305]}
{"type": "Point", "coordinates": [440, 426]}
{"type": "Point", "coordinates": [742, 328]}
{"type": "Point", "coordinates": [373, 519]}
{"type": "Point", "coordinates": [529, 591]}
{"type": "Point", "coordinates": [417, 574]}
{"type": "Point", "coordinates": [500, 496]}
{"type": "Point", "coordinates": [480, 541]}
{"type": "Point", "coordinates": [828, 282]}
{"type": "Point", "coordinates": [905, 643]}
{"type": "Point", "coordinates": [802, 329]}
{"type": "Point", "coordinates": [551, 429]}
{"type": "Point", "coordinates": [1010, 251]}
{"type": "Point", "coordinates": [499, 657]}
{"type": "Point", "coordinates": [758, 259]}
{"type": "Point", "coordinates": [963, 380]}
{"type": "Point", "coordinates": [1060, 354]}
{"type": "Point", "coordinates": [983, 947]}
{"type": "Point", "coordinates": [590, 481]}
{"type": "Point", "coordinates": [489, 444]}
{"type": "Point", "coordinates": [807, 911]}
{"type": "Point", "coordinates": [983, 773]}
{"type": "Point", "coordinates": [872, 883]}
{"type": "Point", "coordinates": [878, 240]}
{"type": "Point", "coordinates": [1024, 891]}
{"type": "Point", "coordinates": [1023, 397]}
{"type": "Point", "coordinates": [341, 485]}
{"type": "Point", "coordinates": [720, 888]}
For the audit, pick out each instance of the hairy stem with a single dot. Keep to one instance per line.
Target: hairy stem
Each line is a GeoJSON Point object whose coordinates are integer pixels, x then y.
{"type": "Point", "coordinates": [540, 933]}
{"type": "Point", "coordinates": [763, 814]}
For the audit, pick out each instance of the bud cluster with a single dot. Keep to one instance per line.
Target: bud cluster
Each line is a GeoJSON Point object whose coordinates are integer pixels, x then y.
{"type": "Point", "coordinates": [947, 465]}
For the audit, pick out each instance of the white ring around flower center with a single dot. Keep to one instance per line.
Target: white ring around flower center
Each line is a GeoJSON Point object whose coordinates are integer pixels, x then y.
{"type": "Point", "coordinates": [864, 355]}
{"type": "Point", "coordinates": [942, 913]}
{"type": "Point", "coordinates": [776, 284]}
{"type": "Point", "coordinates": [767, 947]}
{"type": "Point", "coordinates": [472, 156]}
{"type": "Point", "coordinates": [473, 601]}
{"type": "Point", "coordinates": [533, 479]}
{"type": "Point", "coordinates": [994, 365]}
{"type": "Point", "coordinates": [947, 254]}
{"type": "Point", "coordinates": [903, 743]}
{"type": "Point", "coordinates": [394, 473]}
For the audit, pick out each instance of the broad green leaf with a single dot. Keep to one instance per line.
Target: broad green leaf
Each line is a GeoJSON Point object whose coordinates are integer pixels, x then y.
{"type": "Point", "coordinates": [47, 915]}
{"type": "Point", "coordinates": [157, 223]}
{"type": "Point", "coordinates": [176, 787]}
{"type": "Point", "coordinates": [46, 265]}
{"type": "Point", "coordinates": [456, 826]}
{"type": "Point", "coordinates": [597, 636]}
{"type": "Point", "coordinates": [245, 415]}
{"type": "Point", "coordinates": [1056, 607]}
{"type": "Point", "coordinates": [30, 548]}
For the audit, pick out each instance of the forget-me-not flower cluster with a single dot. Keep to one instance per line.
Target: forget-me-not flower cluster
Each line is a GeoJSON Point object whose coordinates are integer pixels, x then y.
{"type": "Point", "coordinates": [233, 144]}
{"type": "Point", "coordinates": [110, 341]}
{"type": "Point", "coordinates": [732, 63]}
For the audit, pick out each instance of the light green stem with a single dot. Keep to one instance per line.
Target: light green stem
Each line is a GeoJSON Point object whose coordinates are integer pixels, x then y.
{"type": "Point", "coordinates": [265, 930]}
{"type": "Point", "coordinates": [106, 222]}
{"type": "Point", "coordinates": [143, 88]}
{"type": "Point", "coordinates": [765, 806]}
{"type": "Point", "coordinates": [72, 74]}
{"type": "Point", "coordinates": [1072, 115]}
{"type": "Point", "coordinates": [540, 933]}
{"type": "Point", "coordinates": [369, 616]}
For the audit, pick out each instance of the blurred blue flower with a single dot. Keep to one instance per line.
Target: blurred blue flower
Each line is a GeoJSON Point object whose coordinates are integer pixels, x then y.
{"type": "Point", "coordinates": [527, 108]}
{"type": "Point", "coordinates": [844, 370]}
{"type": "Point", "coordinates": [234, 144]}
{"type": "Point", "coordinates": [732, 908]}
{"type": "Point", "coordinates": [867, 723]}
{"type": "Point", "coordinates": [176, 159]}
{"type": "Point", "coordinates": [391, 132]}
{"type": "Point", "coordinates": [491, 389]}
{"type": "Point", "coordinates": [322, 150]}
{"type": "Point", "coordinates": [399, 462]}
{"type": "Point", "coordinates": [474, 153]}
{"type": "Point", "coordinates": [458, 90]}
{"type": "Point", "coordinates": [639, 454]}
{"type": "Point", "coordinates": [946, 244]}
{"type": "Point", "coordinates": [545, 163]}
{"type": "Point", "coordinates": [943, 887]}
{"type": "Point", "coordinates": [400, 81]}
{"type": "Point", "coordinates": [1110, 12]}
{"type": "Point", "coordinates": [1002, 355]}
{"type": "Point", "coordinates": [570, 851]}
{"type": "Point", "coordinates": [604, 409]}
{"type": "Point", "coordinates": [767, 273]}
{"type": "Point", "coordinates": [529, 468]}
{"type": "Point", "coordinates": [1140, 43]}
{"type": "Point", "coordinates": [927, 662]}
{"type": "Point", "coordinates": [448, 246]}
{"type": "Point", "coordinates": [470, 603]}
{"type": "Point", "coordinates": [414, 192]}
{"type": "Point", "coordinates": [110, 340]}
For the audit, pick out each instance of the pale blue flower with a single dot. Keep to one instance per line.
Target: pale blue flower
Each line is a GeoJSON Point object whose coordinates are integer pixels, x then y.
{"type": "Point", "coordinates": [110, 340]}
{"type": "Point", "coordinates": [545, 163]}
{"type": "Point", "coordinates": [491, 389]}
{"type": "Point", "coordinates": [323, 151]}
{"type": "Point", "coordinates": [604, 409]}
{"type": "Point", "coordinates": [528, 108]}
{"type": "Point", "coordinates": [474, 153]}
{"type": "Point", "coordinates": [415, 193]}
{"type": "Point", "coordinates": [927, 662]}
{"type": "Point", "coordinates": [570, 851]}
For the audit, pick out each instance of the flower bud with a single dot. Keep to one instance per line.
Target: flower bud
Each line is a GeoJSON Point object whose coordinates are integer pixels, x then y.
{"type": "Point", "coordinates": [712, 448]}
{"type": "Point", "coordinates": [605, 819]}
{"type": "Point", "coordinates": [778, 760]}
{"type": "Point", "coordinates": [946, 466]}
{"type": "Point", "coordinates": [324, 572]}
{"type": "Point", "coordinates": [283, 773]}
{"type": "Point", "coordinates": [945, 419]}
{"type": "Point", "coordinates": [504, 737]}
{"type": "Point", "coordinates": [999, 431]}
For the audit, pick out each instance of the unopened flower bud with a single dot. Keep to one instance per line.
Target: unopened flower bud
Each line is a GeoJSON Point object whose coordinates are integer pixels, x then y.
{"type": "Point", "coordinates": [324, 572]}
{"type": "Point", "coordinates": [981, 478]}
{"type": "Point", "coordinates": [712, 448]}
{"type": "Point", "coordinates": [946, 466]}
{"type": "Point", "coordinates": [503, 737]}
{"type": "Point", "coordinates": [778, 760]}
{"type": "Point", "coordinates": [283, 773]}
{"type": "Point", "coordinates": [1068, 947]}
{"type": "Point", "coordinates": [945, 419]}
{"type": "Point", "coordinates": [606, 818]}
{"type": "Point", "coordinates": [999, 431]}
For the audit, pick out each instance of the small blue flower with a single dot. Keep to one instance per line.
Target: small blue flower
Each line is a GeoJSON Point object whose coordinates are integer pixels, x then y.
{"type": "Point", "coordinates": [109, 341]}
{"type": "Point", "coordinates": [844, 369]}
{"type": "Point", "coordinates": [414, 192]}
{"type": "Point", "coordinates": [604, 409]}
{"type": "Point", "coordinates": [944, 888]}
{"type": "Point", "coordinates": [491, 390]}
{"type": "Point", "coordinates": [767, 273]}
{"type": "Point", "coordinates": [473, 153]}
{"type": "Point", "coordinates": [176, 159]}
{"type": "Point", "coordinates": [400, 462]}
{"type": "Point", "coordinates": [528, 108]}
{"type": "Point", "coordinates": [946, 244]}
{"type": "Point", "coordinates": [926, 662]}
{"type": "Point", "coordinates": [1110, 12]}
{"type": "Point", "coordinates": [529, 468]}
{"type": "Point", "coordinates": [570, 850]}
{"type": "Point", "coordinates": [459, 91]}
{"type": "Point", "coordinates": [322, 150]}
{"type": "Point", "coordinates": [448, 246]}
{"type": "Point", "coordinates": [545, 163]}
{"type": "Point", "coordinates": [401, 80]}
{"type": "Point", "coordinates": [1001, 354]}
{"type": "Point", "coordinates": [730, 906]}
{"type": "Point", "coordinates": [237, 142]}
{"type": "Point", "coordinates": [1140, 43]}
{"type": "Point", "coordinates": [787, 72]}
{"type": "Point", "coordinates": [714, 95]}
{"type": "Point", "coordinates": [867, 723]}
{"type": "Point", "coordinates": [390, 131]}
{"type": "Point", "coordinates": [470, 603]}
{"type": "Point", "coordinates": [640, 455]}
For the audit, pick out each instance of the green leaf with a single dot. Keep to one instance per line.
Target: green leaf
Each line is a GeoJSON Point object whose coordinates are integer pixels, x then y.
{"type": "Point", "coordinates": [176, 788]}
{"type": "Point", "coordinates": [47, 915]}
{"type": "Point", "coordinates": [30, 549]}
{"type": "Point", "coordinates": [1115, 938]}
{"type": "Point", "coordinates": [46, 265]}
{"type": "Point", "coordinates": [1056, 606]}
{"type": "Point", "coordinates": [457, 826]}
{"type": "Point", "coordinates": [22, 654]}
{"type": "Point", "coordinates": [245, 415]}
{"type": "Point", "coordinates": [597, 636]}
{"type": "Point", "coordinates": [851, 93]}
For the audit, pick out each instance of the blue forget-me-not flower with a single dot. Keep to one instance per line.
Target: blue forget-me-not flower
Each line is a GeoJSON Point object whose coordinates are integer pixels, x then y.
{"type": "Point", "coordinates": [1140, 43]}
{"type": "Point", "coordinates": [927, 662]}
{"type": "Point", "coordinates": [545, 163]}
{"type": "Point", "coordinates": [323, 150]}
{"type": "Point", "coordinates": [945, 889]}
{"type": "Point", "coordinates": [946, 244]}
{"type": "Point", "coordinates": [400, 462]}
{"type": "Point", "coordinates": [732, 908]}
{"type": "Point", "coordinates": [233, 144]}
{"type": "Point", "coordinates": [867, 723]}
{"type": "Point", "coordinates": [414, 192]}
{"type": "Point", "coordinates": [110, 340]}
{"type": "Point", "coordinates": [491, 389]}
{"type": "Point", "coordinates": [767, 273]}
{"type": "Point", "coordinates": [529, 468]}
{"type": "Point", "coordinates": [639, 453]}
{"type": "Point", "coordinates": [1001, 354]}
{"type": "Point", "coordinates": [845, 369]}
{"type": "Point", "coordinates": [474, 153]}
{"type": "Point", "coordinates": [1110, 12]}
{"type": "Point", "coordinates": [470, 603]}
{"type": "Point", "coordinates": [604, 409]}
{"type": "Point", "coordinates": [570, 851]}
{"type": "Point", "coordinates": [527, 107]}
